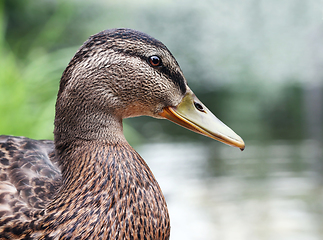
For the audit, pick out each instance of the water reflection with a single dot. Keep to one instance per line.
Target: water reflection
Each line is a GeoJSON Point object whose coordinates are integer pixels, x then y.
{"type": "Point", "coordinates": [217, 192]}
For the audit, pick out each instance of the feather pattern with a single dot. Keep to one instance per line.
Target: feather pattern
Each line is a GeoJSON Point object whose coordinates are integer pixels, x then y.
{"type": "Point", "coordinates": [89, 183]}
{"type": "Point", "coordinates": [105, 193]}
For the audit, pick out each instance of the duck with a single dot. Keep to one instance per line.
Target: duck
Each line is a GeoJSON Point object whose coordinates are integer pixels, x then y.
{"type": "Point", "coordinates": [89, 183]}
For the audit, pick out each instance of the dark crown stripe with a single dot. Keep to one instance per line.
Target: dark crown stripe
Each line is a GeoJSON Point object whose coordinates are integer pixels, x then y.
{"type": "Point", "coordinates": [112, 37]}
{"type": "Point", "coordinates": [129, 34]}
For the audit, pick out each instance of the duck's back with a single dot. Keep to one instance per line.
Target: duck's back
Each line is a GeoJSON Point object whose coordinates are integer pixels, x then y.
{"type": "Point", "coordinates": [29, 177]}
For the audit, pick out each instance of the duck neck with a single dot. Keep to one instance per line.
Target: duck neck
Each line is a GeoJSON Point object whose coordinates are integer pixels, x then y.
{"type": "Point", "coordinates": [87, 126]}
{"type": "Point", "coordinates": [87, 148]}
{"type": "Point", "coordinates": [108, 186]}
{"type": "Point", "coordinates": [98, 165]}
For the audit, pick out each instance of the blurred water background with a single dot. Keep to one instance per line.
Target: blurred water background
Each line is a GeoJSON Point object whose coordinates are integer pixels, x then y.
{"type": "Point", "coordinates": [256, 64]}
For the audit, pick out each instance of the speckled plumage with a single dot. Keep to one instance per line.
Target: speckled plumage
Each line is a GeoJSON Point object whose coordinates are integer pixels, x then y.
{"type": "Point", "coordinates": [116, 195]}
{"type": "Point", "coordinates": [89, 183]}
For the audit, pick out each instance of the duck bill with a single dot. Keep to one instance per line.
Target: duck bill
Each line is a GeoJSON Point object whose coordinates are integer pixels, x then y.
{"type": "Point", "coordinates": [192, 114]}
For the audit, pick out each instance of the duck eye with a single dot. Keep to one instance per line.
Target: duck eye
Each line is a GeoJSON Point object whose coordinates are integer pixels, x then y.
{"type": "Point", "coordinates": [154, 61]}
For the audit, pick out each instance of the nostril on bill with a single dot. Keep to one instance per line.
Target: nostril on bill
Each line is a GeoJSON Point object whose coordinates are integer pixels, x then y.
{"type": "Point", "coordinates": [199, 107]}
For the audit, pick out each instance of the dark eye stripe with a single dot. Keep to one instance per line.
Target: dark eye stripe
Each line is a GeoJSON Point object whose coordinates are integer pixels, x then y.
{"type": "Point", "coordinates": [105, 40]}
{"type": "Point", "coordinates": [174, 75]}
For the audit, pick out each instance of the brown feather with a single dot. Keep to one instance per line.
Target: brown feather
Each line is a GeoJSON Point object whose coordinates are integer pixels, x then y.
{"type": "Point", "coordinates": [89, 183]}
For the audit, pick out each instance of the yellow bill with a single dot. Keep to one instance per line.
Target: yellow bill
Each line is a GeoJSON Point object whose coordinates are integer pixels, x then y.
{"type": "Point", "coordinates": [192, 114]}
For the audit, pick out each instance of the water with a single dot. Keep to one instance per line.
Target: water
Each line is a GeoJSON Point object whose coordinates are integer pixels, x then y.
{"type": "Point", "coordinates": [270, 191]}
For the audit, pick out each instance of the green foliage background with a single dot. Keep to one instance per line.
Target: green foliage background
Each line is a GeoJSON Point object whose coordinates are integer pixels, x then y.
{"type": "Point", "coordinates": [30, 69]}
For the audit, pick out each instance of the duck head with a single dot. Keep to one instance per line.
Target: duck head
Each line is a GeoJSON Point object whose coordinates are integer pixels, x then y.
{"type": "Point", "coordinates": [123, 73]}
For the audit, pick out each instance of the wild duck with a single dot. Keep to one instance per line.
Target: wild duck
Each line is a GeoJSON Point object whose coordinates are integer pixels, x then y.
{"type": "Point", "coordinates": [90, 183]}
